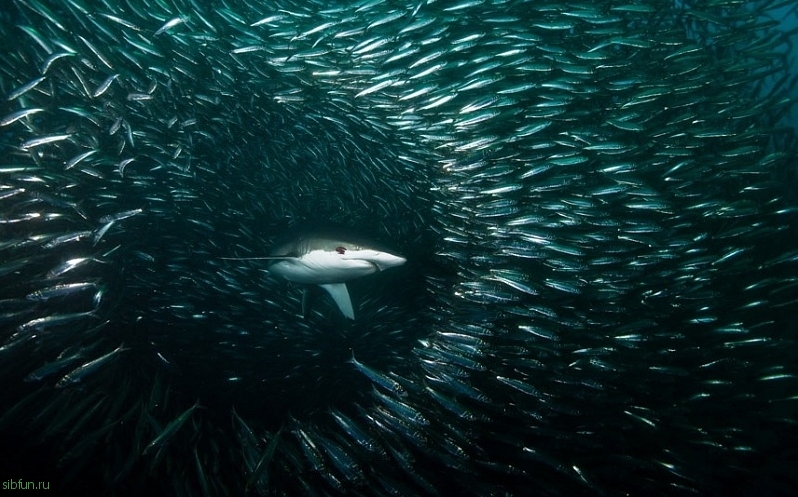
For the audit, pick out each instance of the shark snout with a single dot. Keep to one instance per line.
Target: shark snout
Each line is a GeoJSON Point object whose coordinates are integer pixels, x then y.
{"type": "Point", "coordinates": [382, 260]}
{"type": "Point", "coordinates": [386, 260]}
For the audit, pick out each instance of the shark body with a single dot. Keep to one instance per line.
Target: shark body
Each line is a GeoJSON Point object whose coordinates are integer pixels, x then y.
{"type": "Point", "coordinates": [330, 260]}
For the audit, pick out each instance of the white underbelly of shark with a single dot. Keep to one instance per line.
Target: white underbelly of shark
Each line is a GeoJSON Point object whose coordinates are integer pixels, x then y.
{"type": "Point", "coordinates": [320, 267]}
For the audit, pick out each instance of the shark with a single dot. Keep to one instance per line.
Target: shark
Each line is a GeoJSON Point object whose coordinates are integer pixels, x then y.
{"type": "Point", "coordinates": [328, 259]}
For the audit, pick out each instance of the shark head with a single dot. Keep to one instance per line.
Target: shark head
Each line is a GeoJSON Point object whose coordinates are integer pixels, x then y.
{"type": "Point", "coordinates": [321, 263]}
{"type": "Point", "coordinates": [330, 261]}
{"type": "Point", "coordinates": [380, 259]}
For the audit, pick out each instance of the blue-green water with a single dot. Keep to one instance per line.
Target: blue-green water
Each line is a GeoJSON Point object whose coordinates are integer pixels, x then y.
{"type": "Point", "coordinates": [596, 202]}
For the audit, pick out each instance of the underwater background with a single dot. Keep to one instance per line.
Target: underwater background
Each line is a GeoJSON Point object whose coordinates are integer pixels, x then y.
{"type": "Point", "coordinates": [596, 200]}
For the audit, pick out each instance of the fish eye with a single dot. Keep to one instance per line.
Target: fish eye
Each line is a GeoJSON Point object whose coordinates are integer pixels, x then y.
{"type": "Point", "coordinates": [340, 250]}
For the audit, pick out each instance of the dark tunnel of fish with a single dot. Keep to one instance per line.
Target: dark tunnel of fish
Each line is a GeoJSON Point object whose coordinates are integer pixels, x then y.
{"type": "Point", "coordinates": [596, 201]}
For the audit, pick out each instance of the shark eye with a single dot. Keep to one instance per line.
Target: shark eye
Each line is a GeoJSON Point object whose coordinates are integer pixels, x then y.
{"type": "Point", "coordinates": [340, 250]}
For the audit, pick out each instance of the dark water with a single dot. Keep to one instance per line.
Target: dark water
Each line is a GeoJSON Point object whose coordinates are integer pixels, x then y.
{"type": "Point", "coordinates": [596, 201]}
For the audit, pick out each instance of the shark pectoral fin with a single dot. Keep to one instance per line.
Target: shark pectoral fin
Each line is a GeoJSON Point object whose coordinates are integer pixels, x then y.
{"type": "Point", "coordinates": [340, 295]}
